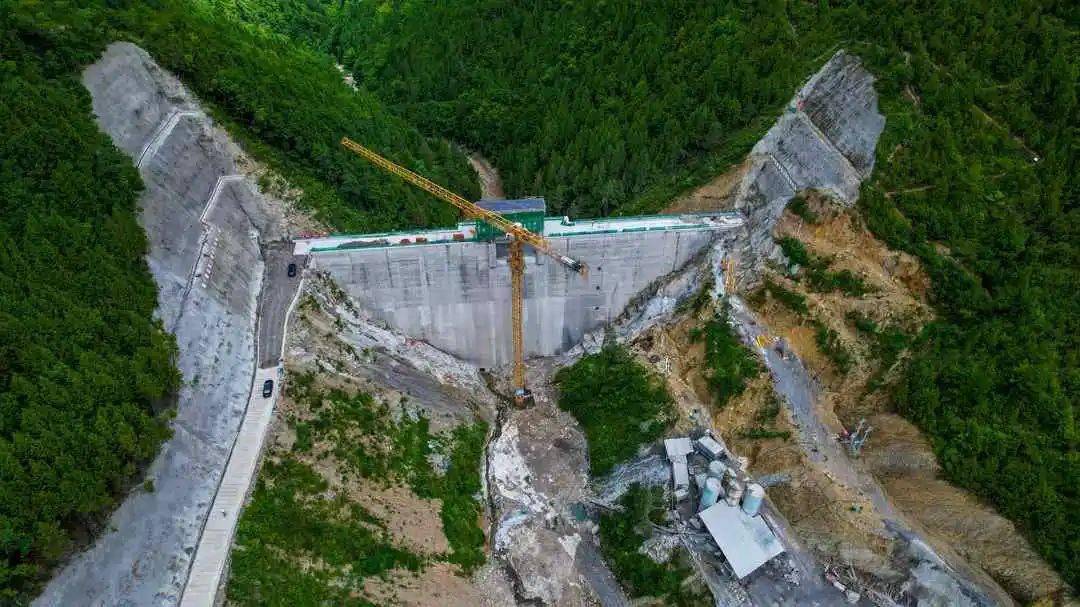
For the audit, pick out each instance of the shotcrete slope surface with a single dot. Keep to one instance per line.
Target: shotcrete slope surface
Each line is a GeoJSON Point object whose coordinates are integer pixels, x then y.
{"type": "Point", "coordinates": [204, 230]}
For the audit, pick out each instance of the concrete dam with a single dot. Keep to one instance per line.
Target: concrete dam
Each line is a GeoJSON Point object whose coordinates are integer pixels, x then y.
{"type": "Point", "coordinates": [451, 287]}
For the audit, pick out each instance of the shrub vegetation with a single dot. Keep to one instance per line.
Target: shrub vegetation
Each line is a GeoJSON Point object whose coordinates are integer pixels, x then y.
{"type": "Point", "coordinates": [619, 403]}
{"type": "Point", "coordinates": [728, 364]}
{"type": "Point", "coordinates": [816, 270]}
{"type": "Point", "coordinates": [622, 534]}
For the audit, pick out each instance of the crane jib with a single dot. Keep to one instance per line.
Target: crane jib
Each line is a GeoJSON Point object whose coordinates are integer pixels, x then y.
{"type": "Point", "coordinates": [519, 236]}
{"type": "Point", "coordinates": [470, 209]}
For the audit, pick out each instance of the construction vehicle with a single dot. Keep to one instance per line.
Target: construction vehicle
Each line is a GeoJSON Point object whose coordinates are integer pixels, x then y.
{"type": "Point", "coordinates": [518, 237]}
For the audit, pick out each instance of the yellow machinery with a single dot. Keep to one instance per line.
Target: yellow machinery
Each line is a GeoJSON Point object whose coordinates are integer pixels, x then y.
{"type": "Point", "coordinates": [518, 235]}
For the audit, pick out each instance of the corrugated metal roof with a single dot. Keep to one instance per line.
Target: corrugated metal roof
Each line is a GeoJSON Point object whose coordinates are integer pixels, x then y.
{"type": "Point", "coordinates": [678, 446]}
{"type": "Point", "coordinates": [681, 474]}
{"type": "Point", "coordinates": [710, 447]}
{"type": "Point", "coordinates": [747, 542]}
{"type": "Point", "coordinates": [520, 205]}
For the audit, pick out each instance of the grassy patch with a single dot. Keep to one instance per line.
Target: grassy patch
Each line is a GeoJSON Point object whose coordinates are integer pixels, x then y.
{"type": "Point", "coordinates": [799, 206]}
{"type": "Point", "coordinates": [796, 302]}
{"type": "Point", "coordinates": [296, 546]}
{"type": "Point", "coordinates": [764, 420]}
{"type": "Point", "coordinates": [459, 489]}
{"type": "Point", "coordinates": [817, 273]}
{"type": "Point", "coordinates": [887, 344]}
{"type": "Point", "coordinates": [618, 402]}
{"type": "Point", "coordinates": [728, 364]}
{"type": "Point", "coordinates": [768, 412]}
{"type": "Point", "coordinates": [828, 341]}
{"type": "Point", "coordinates": [759, 433]}
{"type": "Point", "coordinates": [622, 533]}
{"type": "Point", "coordinates": [360, 434]}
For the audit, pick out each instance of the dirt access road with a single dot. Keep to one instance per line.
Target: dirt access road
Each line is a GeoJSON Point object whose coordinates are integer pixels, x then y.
{"type": "Point", "coordinates": [491, 187]}
{"type": "Point", "coordinates": [793, 382]}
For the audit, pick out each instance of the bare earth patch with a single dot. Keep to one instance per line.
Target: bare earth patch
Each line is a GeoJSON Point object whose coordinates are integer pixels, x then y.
{"type": "Point", "coordinates": [412, 521]}
{"type": "Point", "coordinates": [897, 454]}
{"type": "Point", "coordinates": [436, 585]}
{"type": "Point", "coordinates": [717, 194]}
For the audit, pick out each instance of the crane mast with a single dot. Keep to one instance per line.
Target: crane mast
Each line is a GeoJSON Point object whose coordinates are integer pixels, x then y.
{"type": "Point", "coordinates": [519, 237]}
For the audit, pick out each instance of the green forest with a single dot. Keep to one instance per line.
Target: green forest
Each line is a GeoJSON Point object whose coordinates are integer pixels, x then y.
{"type": "Point", "coordinates": [86, 373]}
{"type": "Point", "coordinates": [604, 108]}
{"type": "Point", "coordinates": [614, 107]}
{"type": "Point", "coordinates": [598, 106]}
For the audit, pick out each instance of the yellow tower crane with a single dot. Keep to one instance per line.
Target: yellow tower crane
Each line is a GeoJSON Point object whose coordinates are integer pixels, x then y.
{"type": "Point", "coordinates": [518, 235]}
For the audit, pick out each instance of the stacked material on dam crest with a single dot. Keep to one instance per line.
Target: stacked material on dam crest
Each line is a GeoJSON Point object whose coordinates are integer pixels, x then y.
{"type": "Point", "coordinates": [452, 290]}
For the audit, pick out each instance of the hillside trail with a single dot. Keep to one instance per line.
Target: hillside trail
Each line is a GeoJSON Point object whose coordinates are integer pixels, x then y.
{"type": "Point", "coordinates": [800, 391]}
{"type": "Point", "coordinates": [491, 186]}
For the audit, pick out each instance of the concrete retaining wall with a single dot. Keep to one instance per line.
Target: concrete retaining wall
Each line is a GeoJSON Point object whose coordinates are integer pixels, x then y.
{"type": "Point", "coordinates": [457, 296]}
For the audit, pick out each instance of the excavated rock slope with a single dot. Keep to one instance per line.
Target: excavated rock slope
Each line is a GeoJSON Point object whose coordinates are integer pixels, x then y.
{"type": "Point", "coordinates": [824, 141]}
{"type": "Point", "coordinates": [204, 223]}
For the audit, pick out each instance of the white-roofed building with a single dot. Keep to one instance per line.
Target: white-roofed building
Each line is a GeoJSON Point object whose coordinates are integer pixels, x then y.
{"type": "Point", "coordinates": [677, 450]}
{"type": "Point", "coordinates": [710, 447]}
{"type": "Point", "coordinates": [746, 541]}
{"type": "Point", "coordinates": [680, 473]}
{"type": "Point", "coordinates": [678, 447]}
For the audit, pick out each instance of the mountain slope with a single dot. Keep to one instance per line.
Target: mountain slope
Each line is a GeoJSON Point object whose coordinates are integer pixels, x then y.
{"type": "Point", "coordinates": [613, 107]}
{"type": "Point", "coordinates": [86, 372]}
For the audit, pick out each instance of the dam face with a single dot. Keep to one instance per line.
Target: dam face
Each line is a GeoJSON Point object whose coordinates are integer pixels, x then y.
{"type": "Point", "coordinates": [454, 292]}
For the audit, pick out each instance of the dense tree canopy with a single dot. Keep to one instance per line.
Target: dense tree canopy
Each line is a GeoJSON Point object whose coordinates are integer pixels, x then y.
{"type": "Point", "coordinates": [620, 404]}
{"type": "Point", "coordinates": [82, 363]}
{"type": "Point", "coordinates": [595, 105]}
{"type": "Point", "coordinates": [976, 175]}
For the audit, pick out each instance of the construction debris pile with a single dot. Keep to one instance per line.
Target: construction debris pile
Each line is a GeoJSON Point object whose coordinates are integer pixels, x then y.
{"type": "Point", "coordinates": [728, 501]}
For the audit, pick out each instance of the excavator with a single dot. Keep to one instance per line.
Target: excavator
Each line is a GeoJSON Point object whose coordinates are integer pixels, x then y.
{"type": "Point", "coordinates": [518, 237]}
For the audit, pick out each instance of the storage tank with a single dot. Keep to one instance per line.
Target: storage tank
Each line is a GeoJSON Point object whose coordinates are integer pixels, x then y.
{"type": "Point", "coordinates": [734, 492]}
{"type": "Point", "coordinates": [751, 501]}
{"type": "Point", "coordinates": [711, 494]}
{"type": "Point", "coordinates": [717, 469]}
